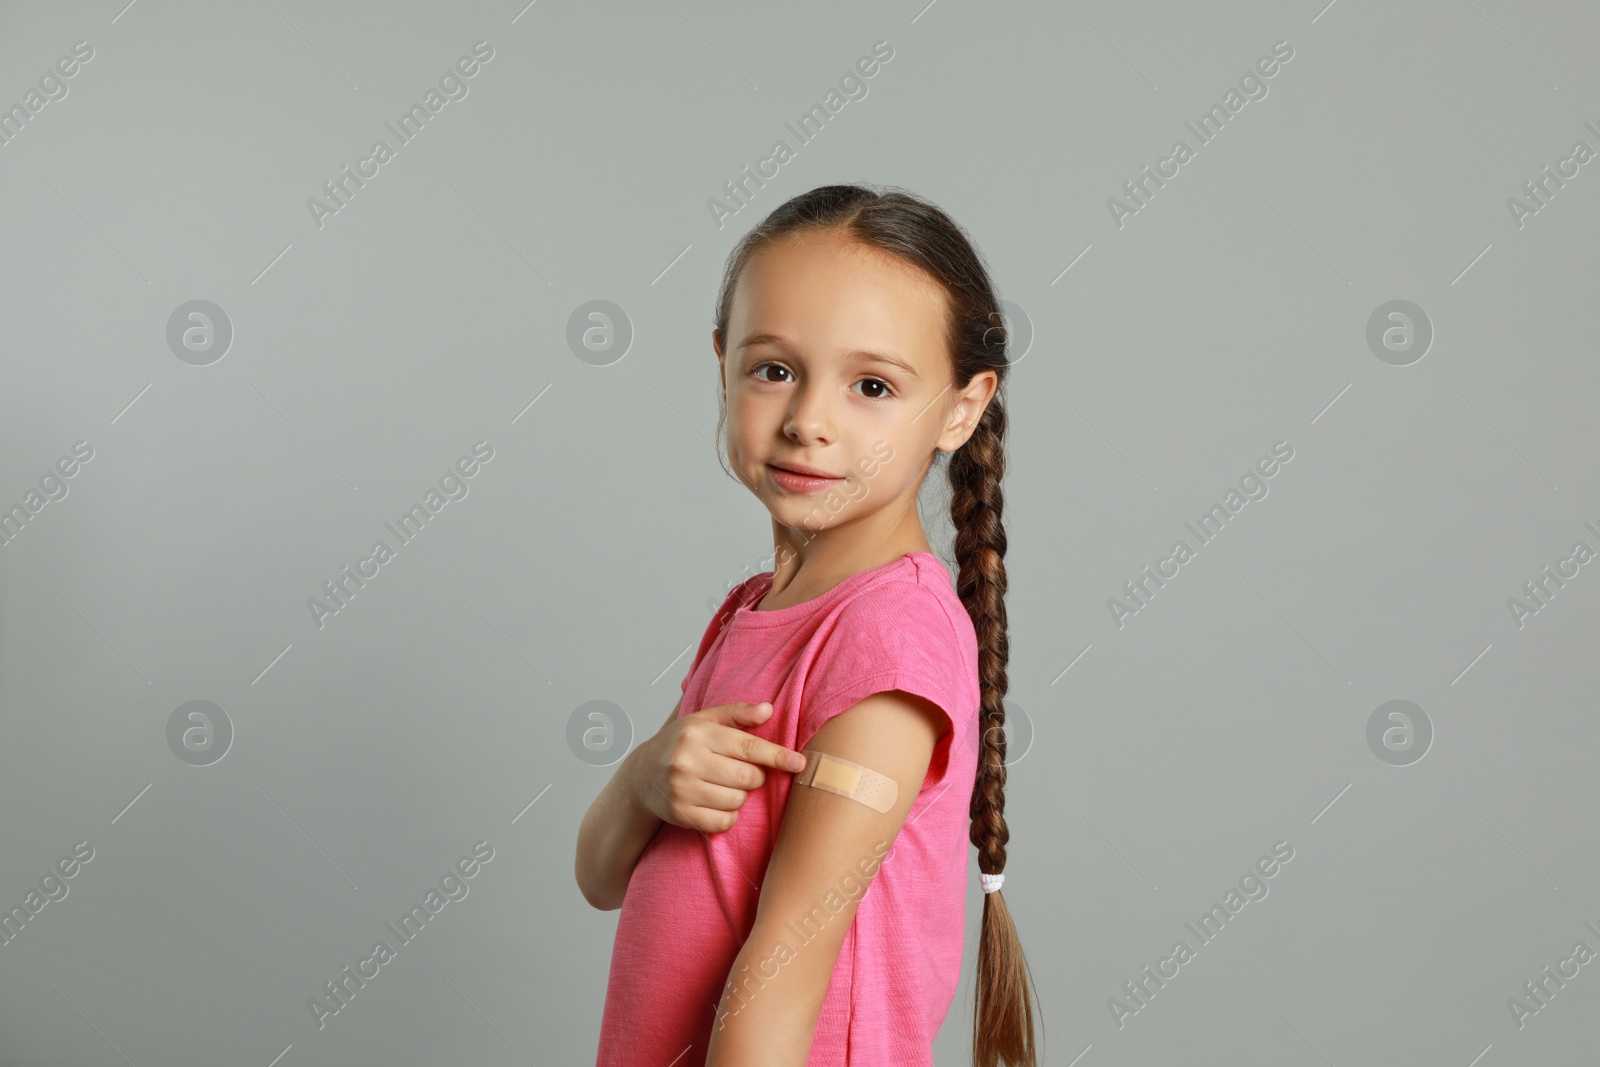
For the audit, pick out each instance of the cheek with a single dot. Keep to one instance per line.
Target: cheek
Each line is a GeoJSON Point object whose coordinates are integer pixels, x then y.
{"type": "Point", "coordinates": [754, 418]}
{"type": "Point", "coordinates": [880, 468]}
{"type": "Point", "coordinates": [742, 438]}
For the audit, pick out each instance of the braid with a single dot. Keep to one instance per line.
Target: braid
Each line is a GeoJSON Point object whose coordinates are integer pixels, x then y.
{"type": "Point", "coordinates": [976, 499]}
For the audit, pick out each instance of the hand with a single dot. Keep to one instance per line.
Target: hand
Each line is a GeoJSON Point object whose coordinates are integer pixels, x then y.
{"type": "Point", "coordinates": [698, 768]}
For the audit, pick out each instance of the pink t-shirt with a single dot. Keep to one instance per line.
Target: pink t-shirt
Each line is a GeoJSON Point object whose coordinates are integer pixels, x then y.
{"type": "Point", "coordinates": [691, 900]}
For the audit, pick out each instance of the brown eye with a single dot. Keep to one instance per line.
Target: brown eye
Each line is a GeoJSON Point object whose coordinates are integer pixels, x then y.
{"type": "Point", "coordinates": [759, 367]}
{"type": "Point", "coordinates": [885, 395]}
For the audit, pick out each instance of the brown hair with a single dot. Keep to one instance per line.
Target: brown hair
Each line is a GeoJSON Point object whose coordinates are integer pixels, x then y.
{"type": "Point", "coordinates": [904, 225]}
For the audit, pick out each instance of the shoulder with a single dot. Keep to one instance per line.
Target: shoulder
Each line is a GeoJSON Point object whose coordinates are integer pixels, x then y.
{"type": "Point", "coordinates": [913, 608]}
{"type": "Point", "coordinates": [899, 604]}
{"type": "Point", "coordinates": [897, 633]}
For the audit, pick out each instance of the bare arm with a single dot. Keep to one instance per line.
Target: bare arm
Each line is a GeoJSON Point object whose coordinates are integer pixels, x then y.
{"type": "Point", "coordinates": [614, 833]}
{"type": "Point", "coordinates": [828, 849]}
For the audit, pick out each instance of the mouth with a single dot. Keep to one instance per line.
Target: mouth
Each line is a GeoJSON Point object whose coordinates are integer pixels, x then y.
{"type": "Point", "coordinates": [803, 470]}
{"type": "Point", "coordinates": [804, 480]}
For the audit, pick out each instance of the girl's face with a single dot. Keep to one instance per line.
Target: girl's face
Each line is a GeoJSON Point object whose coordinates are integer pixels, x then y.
{"type": "Point", "coordinates": [836, 360]}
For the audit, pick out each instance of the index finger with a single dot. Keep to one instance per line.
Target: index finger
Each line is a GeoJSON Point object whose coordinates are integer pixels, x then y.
{"type": "Point", "coordinates": [732, 741]}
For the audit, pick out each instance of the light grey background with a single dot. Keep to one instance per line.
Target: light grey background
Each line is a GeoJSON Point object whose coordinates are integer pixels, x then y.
{"type": "Point", "coordinates": [432, 311]}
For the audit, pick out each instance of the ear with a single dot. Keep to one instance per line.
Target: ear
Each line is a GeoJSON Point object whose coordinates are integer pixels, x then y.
{"type": "Point", "coordinates": [968, 408]}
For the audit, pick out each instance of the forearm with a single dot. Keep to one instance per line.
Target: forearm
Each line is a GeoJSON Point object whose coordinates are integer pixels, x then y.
{"type": "Point", "coordinates": [614, 833]}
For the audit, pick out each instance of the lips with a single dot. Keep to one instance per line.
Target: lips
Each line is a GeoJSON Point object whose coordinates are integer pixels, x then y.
{"type": "Point", "coordinates": [802, 469]}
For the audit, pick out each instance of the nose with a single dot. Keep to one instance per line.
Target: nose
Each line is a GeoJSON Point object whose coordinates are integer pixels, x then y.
{"type": "Point", "coordinates": [811, 415]}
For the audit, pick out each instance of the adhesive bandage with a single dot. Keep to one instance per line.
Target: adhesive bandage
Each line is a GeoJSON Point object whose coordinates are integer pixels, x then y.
{"type": "Point", "coordinates": [835, 775]}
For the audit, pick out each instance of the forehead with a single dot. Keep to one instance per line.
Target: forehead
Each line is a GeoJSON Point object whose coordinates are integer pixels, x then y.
{"type": "Point", "coordinates": [826, 293]}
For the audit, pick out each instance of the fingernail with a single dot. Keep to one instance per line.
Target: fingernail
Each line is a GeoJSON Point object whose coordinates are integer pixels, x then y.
{"type": "Point", "coordinates": [797, 762]}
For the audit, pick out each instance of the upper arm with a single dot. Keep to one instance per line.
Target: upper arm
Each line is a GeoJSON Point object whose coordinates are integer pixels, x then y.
{"type": "Point", "coordinates": [673, 714]}
{"type": "Point", "coordinates": [824, 835]}
{"type": "Point", "coordinates": [829, 847]}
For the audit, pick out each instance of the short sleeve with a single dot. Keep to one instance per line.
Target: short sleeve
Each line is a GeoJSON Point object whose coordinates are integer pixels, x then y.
{"type": "Point", "coordinates": [895, 635]}
{"type": "Point", "coordinates": [714, 627]}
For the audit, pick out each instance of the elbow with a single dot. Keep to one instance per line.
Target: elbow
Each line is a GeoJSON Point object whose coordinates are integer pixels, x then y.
{"type": "Point", "coordinates": [577, 876]}
{"type": "Point", "coordinates": [600, 903]}
{"type": "Point", "coordinates": [583, 885]}
{"type": "Point", "coordinates": [593, 895]}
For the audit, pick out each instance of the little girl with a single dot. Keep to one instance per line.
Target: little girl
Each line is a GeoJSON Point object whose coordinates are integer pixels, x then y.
{"type": "Point", "coordinates": [769, 922]}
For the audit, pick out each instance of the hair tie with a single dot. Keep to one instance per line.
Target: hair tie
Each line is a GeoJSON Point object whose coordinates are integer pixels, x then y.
{"type": "Point", "coordinates": [991, 882]}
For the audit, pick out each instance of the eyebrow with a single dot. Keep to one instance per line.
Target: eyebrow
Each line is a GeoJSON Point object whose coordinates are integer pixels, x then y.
{"type": "Point", "coordinates": [861, 355]}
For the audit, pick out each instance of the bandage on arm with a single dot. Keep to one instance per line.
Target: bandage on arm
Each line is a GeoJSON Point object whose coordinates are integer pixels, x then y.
{"type": "Point", "coordinates": [834, 774]}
